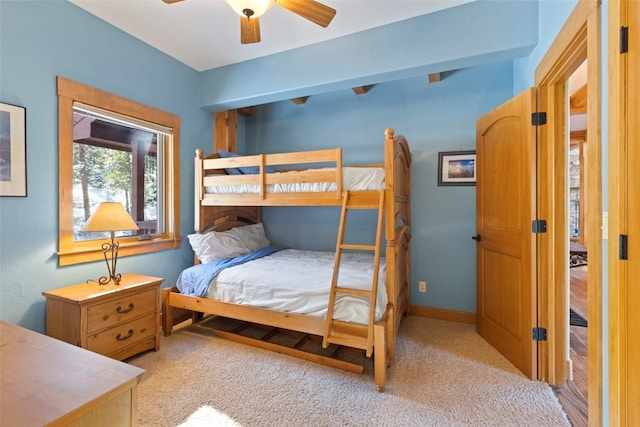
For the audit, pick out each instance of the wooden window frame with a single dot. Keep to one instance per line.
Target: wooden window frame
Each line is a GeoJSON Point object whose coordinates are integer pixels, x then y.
{"type": "Point", "coordinates": [75, 252]}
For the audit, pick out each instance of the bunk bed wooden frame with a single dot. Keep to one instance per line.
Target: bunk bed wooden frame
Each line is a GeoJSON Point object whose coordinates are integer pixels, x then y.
{"type": "Point", "coordinates": [223, 211]}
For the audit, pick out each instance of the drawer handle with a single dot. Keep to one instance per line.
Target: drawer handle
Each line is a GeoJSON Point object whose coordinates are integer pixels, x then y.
{"type": "Point", "coordinates": [119, 337]}
{"type": "Point", "coordinates": [120, 310]}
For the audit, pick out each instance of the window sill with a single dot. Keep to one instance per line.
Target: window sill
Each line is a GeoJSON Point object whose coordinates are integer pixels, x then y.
{"type": "Point", "coordinates": [125, 249]}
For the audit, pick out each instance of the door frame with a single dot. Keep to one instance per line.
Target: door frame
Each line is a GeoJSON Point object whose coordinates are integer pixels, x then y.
{"type": "Point", "coordinates": [620, 276]}
{"type": "Point", "coordinates": [578, 40]}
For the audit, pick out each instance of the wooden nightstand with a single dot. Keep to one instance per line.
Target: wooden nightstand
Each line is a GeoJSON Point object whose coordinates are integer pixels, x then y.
{"type": "Point", "coordinates": [118, 321]}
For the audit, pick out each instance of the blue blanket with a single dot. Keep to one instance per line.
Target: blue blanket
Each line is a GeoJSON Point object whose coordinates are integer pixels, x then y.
{"type": "Point", "coordinates": [195, 280]}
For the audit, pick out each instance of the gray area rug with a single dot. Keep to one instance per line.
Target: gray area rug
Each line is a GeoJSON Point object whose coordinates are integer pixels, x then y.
{"type": "Point", "coordinates": [576, 319]}
{"type": "Point", "coordinates": [445, 374]}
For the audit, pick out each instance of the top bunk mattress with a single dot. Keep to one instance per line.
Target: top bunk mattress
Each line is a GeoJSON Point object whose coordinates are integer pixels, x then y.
{"type": "Point", "coordinates": [298, 281]}
{"type": "Point", "coordinates": [353, 179]}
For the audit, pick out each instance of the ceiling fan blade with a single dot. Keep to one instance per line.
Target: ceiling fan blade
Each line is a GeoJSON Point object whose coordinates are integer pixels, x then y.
{"type": "Point", "coordinates": [310, 9]}
{"type": "Point", "coordinates": [171, 1]}
{"type": "Point", "coordinates": [249, 30]}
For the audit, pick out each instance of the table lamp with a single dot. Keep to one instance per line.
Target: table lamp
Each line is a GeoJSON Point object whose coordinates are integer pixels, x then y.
{"type": "Point", "coordinates": [112, 217]}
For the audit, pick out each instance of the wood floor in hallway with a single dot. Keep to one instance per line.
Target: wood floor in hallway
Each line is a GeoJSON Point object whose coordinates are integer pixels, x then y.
{"type": "Point", "coordinates": [573, 397]}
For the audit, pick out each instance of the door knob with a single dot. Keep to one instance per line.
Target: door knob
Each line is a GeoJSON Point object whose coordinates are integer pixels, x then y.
{"type": "Point", "coordinates": [477, 238]}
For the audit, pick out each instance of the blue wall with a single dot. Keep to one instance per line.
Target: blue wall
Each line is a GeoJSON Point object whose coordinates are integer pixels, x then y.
{"type": "Point", "coordinates": [39, 41]}
{"type": "Point", "coordinates": [433, 117]}
{"type": "Point", "coordinates": [552, 16]}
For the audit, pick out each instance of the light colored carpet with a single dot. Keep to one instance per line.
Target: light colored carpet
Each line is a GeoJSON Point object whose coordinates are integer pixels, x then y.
{"type": "Point", "coordinates": [445, 375]}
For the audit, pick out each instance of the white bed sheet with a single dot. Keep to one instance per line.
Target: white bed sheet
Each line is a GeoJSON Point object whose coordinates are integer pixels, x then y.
{"type": "Point", "coordinates": [353, 179]}
{"type": "Point", "coordinates": [298, 281]}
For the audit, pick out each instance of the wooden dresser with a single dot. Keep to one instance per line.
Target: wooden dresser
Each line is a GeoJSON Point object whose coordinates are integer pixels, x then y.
{"type": "Point", "coordinates": [49, 382]}
{"type": "Point", "coordinates": [118, 321]}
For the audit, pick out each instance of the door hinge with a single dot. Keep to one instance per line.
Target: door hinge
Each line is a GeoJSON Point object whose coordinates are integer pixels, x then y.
{"type": "Point", "coordinates": [539, 334]}
{"type": "Point", "coordinates": [624, 39]}
{"type": "Point", "coordinates": [539, 226]}
{"type": "Point", "coordinates": [538, 119]}
{"type": "Point", "coordinates": [623, 247]}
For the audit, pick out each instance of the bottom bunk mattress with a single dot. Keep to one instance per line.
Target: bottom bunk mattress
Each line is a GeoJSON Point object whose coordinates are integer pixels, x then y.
{"type": "Point", "coordinates": [298, 281]}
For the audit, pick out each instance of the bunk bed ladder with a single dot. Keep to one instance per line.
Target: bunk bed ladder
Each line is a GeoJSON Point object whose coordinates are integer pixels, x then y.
{"type": "Point", "coordinates": [334, 334]}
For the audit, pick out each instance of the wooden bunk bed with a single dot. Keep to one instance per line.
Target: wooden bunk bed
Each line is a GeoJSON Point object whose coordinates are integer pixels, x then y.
{"type": "Point", "coordinates": [221, 210]}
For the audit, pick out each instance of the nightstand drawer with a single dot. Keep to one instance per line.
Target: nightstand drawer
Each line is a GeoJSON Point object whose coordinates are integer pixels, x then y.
{"type": "Point", "coordinates": [128, 307]}
{"type": "Point", "coordinates": [119, 337]}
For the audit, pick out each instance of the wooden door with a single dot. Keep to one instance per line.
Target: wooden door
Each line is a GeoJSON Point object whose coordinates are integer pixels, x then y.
{"type": "Point", "coordinates": [505, 198]}
{"type": "Point", "coordinates": [633, 217]}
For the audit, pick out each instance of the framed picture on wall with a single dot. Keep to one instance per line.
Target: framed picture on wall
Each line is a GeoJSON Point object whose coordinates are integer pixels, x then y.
{"type": "Point", "coordinates": [13, 151]}
{"type": "Point", "coordinates": [457, 168]}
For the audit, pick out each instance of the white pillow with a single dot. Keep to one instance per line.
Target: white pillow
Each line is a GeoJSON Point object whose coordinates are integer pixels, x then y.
{"type": "Point", "coordinates": [213, 246]}
{"type": "Point", "coordinates": [228, 244]}
{"type": "Point", "coordinates": [252, 236]}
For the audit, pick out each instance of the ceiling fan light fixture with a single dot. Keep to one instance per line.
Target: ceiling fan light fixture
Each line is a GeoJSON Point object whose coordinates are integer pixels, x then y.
{"type": "Point", "coordinates": [258, 7]}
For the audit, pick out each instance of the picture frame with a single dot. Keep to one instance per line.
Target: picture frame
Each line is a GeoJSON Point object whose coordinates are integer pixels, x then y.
{"type": "Point", "coordinates": [457, 168]}
{"type": "Point", "coordinates": [13, 150]}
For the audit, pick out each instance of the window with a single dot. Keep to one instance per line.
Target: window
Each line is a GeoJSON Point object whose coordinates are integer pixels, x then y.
{"type": "Point", "coordinates": [114, 149]}
{"type": "Point", "coordinates": [117, 159]}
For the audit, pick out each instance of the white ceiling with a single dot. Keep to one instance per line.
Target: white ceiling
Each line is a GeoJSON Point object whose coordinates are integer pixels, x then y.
{"type": "Point", "coordinates": [576, 81]}
{"type": "Point", "coordinates": [205, 34]}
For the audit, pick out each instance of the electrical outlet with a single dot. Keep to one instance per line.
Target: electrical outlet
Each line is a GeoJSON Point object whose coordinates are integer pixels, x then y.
{"type": "Point", "coordinates": [422, 286]}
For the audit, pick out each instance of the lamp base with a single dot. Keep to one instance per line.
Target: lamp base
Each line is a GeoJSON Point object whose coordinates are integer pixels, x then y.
{"type": "Point", "coordinates": [111, 267]}
{"type": "Point", "coordinates": [104, 280]}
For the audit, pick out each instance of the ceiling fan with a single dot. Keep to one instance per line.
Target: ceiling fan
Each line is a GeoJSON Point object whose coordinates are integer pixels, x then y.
{"type": "Point", "coordinates": [251, 10]}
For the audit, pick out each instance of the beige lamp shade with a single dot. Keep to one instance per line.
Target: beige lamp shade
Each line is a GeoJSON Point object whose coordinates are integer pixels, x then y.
{"type": "Point", "coordinates": [110, 216]}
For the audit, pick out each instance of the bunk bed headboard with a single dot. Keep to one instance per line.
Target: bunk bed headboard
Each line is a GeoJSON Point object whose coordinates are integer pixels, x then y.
{"type": "Point", "coordinates": [222, 218]}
